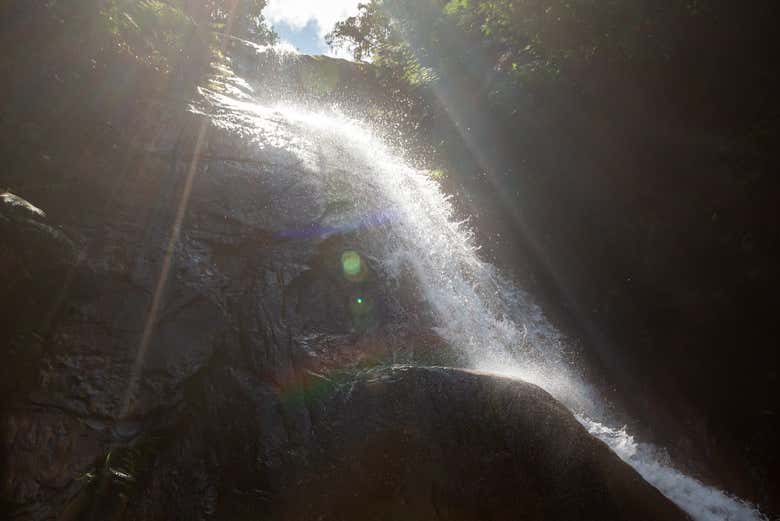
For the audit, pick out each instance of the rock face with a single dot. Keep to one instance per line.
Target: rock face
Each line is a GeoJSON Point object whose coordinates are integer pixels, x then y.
{"type": "Point", "coordinates": [165, 281]}
{"type": "Point", "coordinates": [179, 342]}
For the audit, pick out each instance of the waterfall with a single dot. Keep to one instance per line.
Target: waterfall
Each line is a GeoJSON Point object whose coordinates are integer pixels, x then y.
{"type": "Point", "coordinates": [412, 230]}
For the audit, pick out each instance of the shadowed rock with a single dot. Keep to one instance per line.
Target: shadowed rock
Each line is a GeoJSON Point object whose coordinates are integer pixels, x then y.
{"type": "Point", "coordinates": [250, 402]}
{"type": "Point", "coordinates": [434, 443]}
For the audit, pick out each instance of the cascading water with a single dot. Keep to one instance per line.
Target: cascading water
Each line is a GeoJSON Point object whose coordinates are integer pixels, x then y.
{"type": "Point", "coordinates": [493, 325]}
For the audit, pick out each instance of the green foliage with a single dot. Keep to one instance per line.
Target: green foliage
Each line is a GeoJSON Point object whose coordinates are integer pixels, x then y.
{"type": "Point", "coordinates": [241, 18]}
{"type": "Point", "coordinates": [524, 42]}
{"type": "Point", "coordinates": [363, 34]}
{"type": "Point", "coordinates": [167, 34]}
{"type": "Point", "coordinates": [155, 32]}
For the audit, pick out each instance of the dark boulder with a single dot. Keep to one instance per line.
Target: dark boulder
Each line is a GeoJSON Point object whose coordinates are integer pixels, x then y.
{"type": "Point", "coordinates": [435, 443]}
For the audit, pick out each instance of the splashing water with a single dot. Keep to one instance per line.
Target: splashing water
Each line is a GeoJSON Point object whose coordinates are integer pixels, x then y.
{"type": "Point", "coordinates": [495, 326]}
{"type": "Point", "coordinates": [700, 501]}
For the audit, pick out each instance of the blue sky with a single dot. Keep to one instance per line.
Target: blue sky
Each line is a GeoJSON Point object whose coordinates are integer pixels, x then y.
{"type": "Point", "coordinates": [307, 40]}
{"type": "Point", "coordinates": [304, 23]}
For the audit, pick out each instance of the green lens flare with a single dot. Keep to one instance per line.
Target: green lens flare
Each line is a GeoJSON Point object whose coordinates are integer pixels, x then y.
{"type": "Point", "coordinates": [359, 300]}
{"type": "Point", "coordinates": [351, 263]}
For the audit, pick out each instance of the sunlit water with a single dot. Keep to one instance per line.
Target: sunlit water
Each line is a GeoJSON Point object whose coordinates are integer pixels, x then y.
{"type": "Point", "coordinates": [496, 326]}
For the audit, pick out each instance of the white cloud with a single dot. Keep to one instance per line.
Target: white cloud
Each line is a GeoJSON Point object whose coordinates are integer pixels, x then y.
{"type": "Point", "coordinates": [298, 13]}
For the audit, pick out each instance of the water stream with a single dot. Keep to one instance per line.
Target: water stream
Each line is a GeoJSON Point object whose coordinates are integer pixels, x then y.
{"type": "Point", "coordinates": [494, 325]}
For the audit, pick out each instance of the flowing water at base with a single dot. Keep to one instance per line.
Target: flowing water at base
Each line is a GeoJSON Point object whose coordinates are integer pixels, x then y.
{"type": "Point", "coordinates": [700, 501]}
{"type": "Point", "coordinates": [495, 326]}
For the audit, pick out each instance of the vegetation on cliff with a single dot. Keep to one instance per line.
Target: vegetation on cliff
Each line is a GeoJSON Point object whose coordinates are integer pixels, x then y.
{"type": "Point", "coordinates": [177, 38]}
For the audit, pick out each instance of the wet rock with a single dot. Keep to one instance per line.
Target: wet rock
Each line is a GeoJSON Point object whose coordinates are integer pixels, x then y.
{"type": "Point", "coordinates": [43, 450]}
{"type": "Point", "coordinates": [161, 310]}
{"type": "Point", "coordinates": [210, 328]}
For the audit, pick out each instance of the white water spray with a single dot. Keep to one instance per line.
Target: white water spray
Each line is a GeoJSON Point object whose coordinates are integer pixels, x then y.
{"type": "Point", "coordinates": [496, 326]}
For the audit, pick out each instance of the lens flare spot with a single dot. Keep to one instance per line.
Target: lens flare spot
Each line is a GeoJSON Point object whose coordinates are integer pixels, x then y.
{"type": "Point", "coordinates": [352, 264]}
{"type": "Point", "coordinates": [359, 300]}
